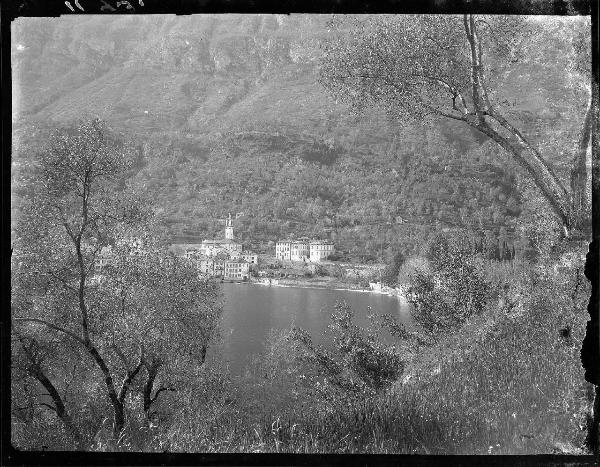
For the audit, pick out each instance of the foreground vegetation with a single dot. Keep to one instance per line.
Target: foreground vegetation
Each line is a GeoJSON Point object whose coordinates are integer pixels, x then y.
{"type": "Point", "coordinates": [508, 381]}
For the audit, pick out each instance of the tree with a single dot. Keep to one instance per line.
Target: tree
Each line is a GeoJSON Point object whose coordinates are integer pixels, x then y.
{"type": "Point", "coordinates": [360, 360]}
{"type": "Point", "coordinates": [447, 66]}
{"type": "Point", "coordinates": [390, 272]}
{"type": "Point", "coordinates": [143, 317]}
{"type": "Point", "coordinates": [155, 291]}
{"type": "Point", "coordinates": [454, 289]}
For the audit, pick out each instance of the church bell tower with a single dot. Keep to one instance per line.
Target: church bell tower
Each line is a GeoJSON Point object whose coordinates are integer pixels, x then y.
{"type": "Point", "coordinates": [229, 228]}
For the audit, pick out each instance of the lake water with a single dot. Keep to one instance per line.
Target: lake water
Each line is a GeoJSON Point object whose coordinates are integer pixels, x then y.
{"type": "Point", "coordinates": [251, 311]}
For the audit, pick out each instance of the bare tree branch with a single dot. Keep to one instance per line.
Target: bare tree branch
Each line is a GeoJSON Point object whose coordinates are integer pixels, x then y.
{"type": "Point", "coordinates": [54, 409]}
{"type": "Point", "coordinates": [52, 326]}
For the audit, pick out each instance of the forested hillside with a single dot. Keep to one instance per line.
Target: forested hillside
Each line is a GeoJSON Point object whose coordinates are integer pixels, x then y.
{"type": "Point", "coordinates": [226, 114]}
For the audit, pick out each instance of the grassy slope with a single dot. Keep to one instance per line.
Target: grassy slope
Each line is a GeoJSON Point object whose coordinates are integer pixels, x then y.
{"type": "Point", "coordinates": [507, 383]}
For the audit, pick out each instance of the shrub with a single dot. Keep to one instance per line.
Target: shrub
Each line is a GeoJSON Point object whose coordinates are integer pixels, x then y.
{"type": "Point", "coordinates": [452, 291]}
{"type": "Point", "coordinates": [390, 273]}
{"type": "Point", "coordinates": [360, 361]}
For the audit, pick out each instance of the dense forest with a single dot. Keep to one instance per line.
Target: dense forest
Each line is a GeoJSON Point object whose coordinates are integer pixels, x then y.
{"type": "Point", "coordinates": [367, 202]}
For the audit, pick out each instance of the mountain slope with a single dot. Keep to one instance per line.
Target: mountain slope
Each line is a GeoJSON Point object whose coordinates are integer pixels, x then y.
{"type": "Point", "coordinates": [228, 115]}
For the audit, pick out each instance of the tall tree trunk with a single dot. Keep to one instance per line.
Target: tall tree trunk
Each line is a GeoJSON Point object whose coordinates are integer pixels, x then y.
{"type": "Point", "coordinates": [35, 370]}
{"type": "Point", "coordinates": [153, 367]}
{"type": "Point", "coordinates": [579, 205]}
{"type": "Point", "coordinates": [536, 167]}
{"type": "Point", "coordinates": [148, 387]}
{"type": "Point", "coordinates": [515, 143]}
{"type": "Point", "coordinates": [59, 406]}
{"type": "Point", "coordinates": [118, 409]}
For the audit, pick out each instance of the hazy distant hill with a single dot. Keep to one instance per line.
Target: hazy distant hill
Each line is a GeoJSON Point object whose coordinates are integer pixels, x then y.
{"type": "Point", "coordinates": [226, 108]}
{"type": "Point", "coordinates": [186, 75]}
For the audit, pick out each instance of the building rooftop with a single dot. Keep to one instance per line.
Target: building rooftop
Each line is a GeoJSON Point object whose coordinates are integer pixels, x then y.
{"type": "Point", "coordinates": [321, 242]}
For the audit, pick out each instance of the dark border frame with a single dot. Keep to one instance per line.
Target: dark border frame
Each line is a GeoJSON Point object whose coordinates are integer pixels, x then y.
{"type": "Point", "coordinates": [591, 346]}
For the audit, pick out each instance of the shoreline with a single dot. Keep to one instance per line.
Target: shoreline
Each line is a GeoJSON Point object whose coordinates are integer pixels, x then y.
{"type": "Point", "coordinates": [307, 285]}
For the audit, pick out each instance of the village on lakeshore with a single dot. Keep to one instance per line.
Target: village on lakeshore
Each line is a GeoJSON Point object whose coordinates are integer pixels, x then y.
{"type": "Point", "coordinates": [292, 260]}
{"type": "Point", "coordinates": [225, 258]}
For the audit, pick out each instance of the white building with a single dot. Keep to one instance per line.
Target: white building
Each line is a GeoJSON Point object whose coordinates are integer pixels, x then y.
{"type": "Point", "coordinates": [299, 251]}
{"type": "Point", "coordinates": [304, 250]}
{"type": "Point", "coordinates": [205, 265]}
{"type": "Point", "coordinates": [320, 250]}
{"type": "Point", "coordinates": [236, 270]}
{"type": "Point", "coordinates": [222, 257]}
{"type": "Point", "coordinates": [292, 250]}
{"type": "Point", "coordinates": [282, 250]}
